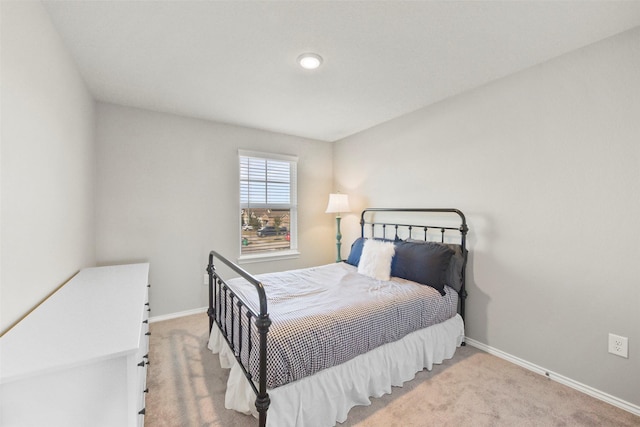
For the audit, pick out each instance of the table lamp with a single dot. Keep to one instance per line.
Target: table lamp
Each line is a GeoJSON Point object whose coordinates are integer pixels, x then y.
{"type": "Point", "coordinates": [338, 203]}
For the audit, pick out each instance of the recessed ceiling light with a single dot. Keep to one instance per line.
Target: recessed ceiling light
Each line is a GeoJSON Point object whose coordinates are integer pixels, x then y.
{"type": "Point", "coordinates": [310, 61]}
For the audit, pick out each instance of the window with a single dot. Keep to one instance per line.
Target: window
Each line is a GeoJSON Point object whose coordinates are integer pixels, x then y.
{"type": "Point", "coordinates": [268, 205]}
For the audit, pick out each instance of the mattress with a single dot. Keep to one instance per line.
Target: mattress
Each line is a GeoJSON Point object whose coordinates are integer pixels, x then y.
{"type": "Point", "coordinates": [325, 316]}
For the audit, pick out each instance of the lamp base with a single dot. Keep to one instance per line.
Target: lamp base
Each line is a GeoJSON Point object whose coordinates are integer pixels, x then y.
{"type": "Point", "coordinates": [338, 238]}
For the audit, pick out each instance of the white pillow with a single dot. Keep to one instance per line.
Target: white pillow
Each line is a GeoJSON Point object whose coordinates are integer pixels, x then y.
{"type": "Point", "coordinates": [376, 259]}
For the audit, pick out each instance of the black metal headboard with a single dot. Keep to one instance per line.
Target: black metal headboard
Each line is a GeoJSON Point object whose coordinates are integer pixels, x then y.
{"type": "Point", "coordinates": [439, 228]}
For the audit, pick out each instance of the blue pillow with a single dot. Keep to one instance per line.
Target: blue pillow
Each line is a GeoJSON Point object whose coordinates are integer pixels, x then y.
{"type": "Point", "coordinates": [356, 251]}
{"type": "Point", "coordinates": [426, 263]}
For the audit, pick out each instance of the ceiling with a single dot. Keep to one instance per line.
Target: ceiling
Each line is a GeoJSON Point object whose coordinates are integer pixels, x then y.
{"type": "Point", "coordinates": [235, 61]}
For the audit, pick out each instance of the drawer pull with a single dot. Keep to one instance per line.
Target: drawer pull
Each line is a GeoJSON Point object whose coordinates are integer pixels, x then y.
{"type": "Point", "coordinates": [146, 356]}
{"type": "Point", "coordinates": [146, 390]}
{"type": "Point", "coordinates": [148, 333]}
{"type": "Point", "coordinates": [146, 303]}
{"type": "Point", "coordinates": [141, 412]}
{"type": "Point", "coordinates": [141, 364]}
{"type": "Point", "coordinates": [145, 321]}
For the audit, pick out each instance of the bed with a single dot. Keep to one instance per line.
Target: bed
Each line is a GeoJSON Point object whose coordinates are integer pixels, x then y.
{"type": "Point", "coordinates": [307, 345]}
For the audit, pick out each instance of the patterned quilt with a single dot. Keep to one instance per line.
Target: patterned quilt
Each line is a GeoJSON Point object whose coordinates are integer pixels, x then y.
{"type": "Point", "coordinates": [324, 316]}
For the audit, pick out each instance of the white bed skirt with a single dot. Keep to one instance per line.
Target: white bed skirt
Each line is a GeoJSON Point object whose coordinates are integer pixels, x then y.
{"type": "Point", "coordinates": [327, 396]}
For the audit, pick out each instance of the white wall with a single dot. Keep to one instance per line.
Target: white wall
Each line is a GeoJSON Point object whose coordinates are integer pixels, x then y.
{"type": "Point", "coordinates": [546, 165]}
{"type": "Point", "coordinates": [47, 220]}
{"type": "Point", "coordinates": [168, 193]}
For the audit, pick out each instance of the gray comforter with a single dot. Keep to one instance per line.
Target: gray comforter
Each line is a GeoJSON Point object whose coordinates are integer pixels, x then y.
{"type": "Point", "coordinates": [324, 316]}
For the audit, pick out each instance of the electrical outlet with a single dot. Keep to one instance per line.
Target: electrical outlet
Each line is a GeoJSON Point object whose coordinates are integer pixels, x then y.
{"type": "Point", "coordinates": [619, 345]}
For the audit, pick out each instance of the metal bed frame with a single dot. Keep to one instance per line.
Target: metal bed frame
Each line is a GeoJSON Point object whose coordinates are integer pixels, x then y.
{"type": "Point", "coordinates": [226, 304]}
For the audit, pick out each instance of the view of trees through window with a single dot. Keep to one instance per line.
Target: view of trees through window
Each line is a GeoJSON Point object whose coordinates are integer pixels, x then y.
{"type": "Point", "coordinates": [265, 229]}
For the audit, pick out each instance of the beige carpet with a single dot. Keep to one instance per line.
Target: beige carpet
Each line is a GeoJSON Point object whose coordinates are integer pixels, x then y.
{"type": "Point", "coordinates": [186, 388]}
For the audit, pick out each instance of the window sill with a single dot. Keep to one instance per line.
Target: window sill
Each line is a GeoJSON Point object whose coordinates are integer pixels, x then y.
{"type": "Point", "coordinates": [270, 256]}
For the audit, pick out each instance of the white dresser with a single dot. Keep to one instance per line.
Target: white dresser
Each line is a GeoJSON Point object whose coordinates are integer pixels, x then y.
{"type": "Point", "coordinates": [80, 358]}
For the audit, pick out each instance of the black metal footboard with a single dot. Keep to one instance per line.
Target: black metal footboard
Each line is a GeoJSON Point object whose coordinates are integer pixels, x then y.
{"type": "Point", "coordinates": [234, 319]}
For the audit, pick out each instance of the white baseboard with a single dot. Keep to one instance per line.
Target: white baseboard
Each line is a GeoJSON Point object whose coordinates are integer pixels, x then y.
{"type": "Point", "coordinates": [612, 400]}
{"type": "Point", "coordinates": [178, 314]}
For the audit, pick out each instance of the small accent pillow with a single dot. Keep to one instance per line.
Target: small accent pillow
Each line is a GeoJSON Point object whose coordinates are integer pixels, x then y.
{"type": "Point", "coordinates": [376, 259]}
{"type": "Point", "coordinates": [356, 249]}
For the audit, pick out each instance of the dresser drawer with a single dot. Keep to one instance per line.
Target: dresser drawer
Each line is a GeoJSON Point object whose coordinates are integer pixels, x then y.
{"type": "Point", "coordinates": [141, 364]}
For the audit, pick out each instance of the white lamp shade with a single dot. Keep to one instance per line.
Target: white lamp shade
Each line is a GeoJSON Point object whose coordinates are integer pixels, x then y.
{"type": "Point", "coordinates": [338, 203]}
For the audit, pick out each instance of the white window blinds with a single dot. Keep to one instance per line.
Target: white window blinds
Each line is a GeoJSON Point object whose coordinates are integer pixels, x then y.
{"type": "Point", "coordinates": [265, 182]}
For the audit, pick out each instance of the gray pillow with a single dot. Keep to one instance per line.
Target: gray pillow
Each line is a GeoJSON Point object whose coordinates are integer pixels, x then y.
{"type": "Point", "coordinates": [425, 262]}
{"type": "Point", "coordinates": [456, 264]}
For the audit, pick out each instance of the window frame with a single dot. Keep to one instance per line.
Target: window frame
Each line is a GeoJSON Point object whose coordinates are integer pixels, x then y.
{"type": "Point", "coordinates": [270, 255]}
